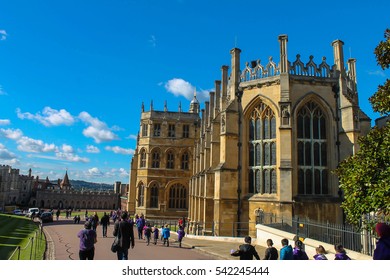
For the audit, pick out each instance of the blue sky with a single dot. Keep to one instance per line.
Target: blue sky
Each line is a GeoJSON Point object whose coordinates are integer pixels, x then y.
{"type": "Point", "coordinates": [73, 74]}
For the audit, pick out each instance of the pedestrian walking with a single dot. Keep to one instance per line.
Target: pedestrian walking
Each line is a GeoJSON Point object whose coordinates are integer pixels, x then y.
{"type": "Point", "coordinates": [147, 233]}
{"type": "Point", "coordinates": [140, 222]}
{"type": "Point", "coordinates": [320, 253]}
{"type": "Point", "coordinates": [382, 249]}
{"type": "Point", "coordinates": [125, 233]}
{"type": "Point", "coordinates": [94, 221]}
{"type": "Point", "coordinates": [155, 235]}
{"type": "Point", "coordinates": [341, 254]}
{"type": "Point", "coordinates": [180, 234]}
{"type": "Point", "coordinates": [286, 252]}
{"type": "Point", "coordinates": [271, 253]}
{"type": "Point", "coordinates": [105, 222]}
{"type": "Point", "coordinates": [299, 252]}
{"type": "Point", "coordinates": [166, 233]}
{"type": "Point", "coordinates": [58, 212]}
{"type": "Point", "coordinates": [246, 251]}
{"type": "Point", "coordinates": [88, 239]}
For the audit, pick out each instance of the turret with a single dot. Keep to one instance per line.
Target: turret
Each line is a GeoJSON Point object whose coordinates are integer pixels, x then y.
{"type": "Point", "coordinates": [194, 105]}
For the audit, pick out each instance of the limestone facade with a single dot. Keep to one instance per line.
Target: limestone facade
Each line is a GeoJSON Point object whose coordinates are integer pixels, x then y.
{"type": "Point", "coordinates": [163, 162]}
{"type": "Point", "coordinates": [267, 141]}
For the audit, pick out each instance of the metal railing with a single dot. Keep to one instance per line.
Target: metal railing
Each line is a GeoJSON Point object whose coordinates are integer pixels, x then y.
{"type": "Point", "coordinates": [30, 250]}
{"type": "Point", "coordinates": [350, 237]}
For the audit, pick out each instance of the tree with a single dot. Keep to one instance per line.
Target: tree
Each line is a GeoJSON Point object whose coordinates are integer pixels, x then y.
{"type": "Point", "coordinates": [365, 176]}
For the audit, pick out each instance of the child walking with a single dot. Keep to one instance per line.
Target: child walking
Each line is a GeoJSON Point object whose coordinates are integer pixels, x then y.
{"type": "Point", "coordinates": [166, 233]}
{"type": "Point", "coordinates": [147, 233]}
{"type": "Point", "coordinates": [180, 234]}
{"type": "Point", "coordinates": [155, 235]}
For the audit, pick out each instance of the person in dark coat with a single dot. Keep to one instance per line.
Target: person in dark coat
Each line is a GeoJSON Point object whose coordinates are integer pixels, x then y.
{"type": "Point", "coordinates": [341, 254]}
{"type": "Point", "coordinates": [271, 253]}
{"type": "Point", "coordinates": [124, 231]}
{"type": "Point", "coordinates": [180, 235]}
{"type": "Point", "coordinates": [105, 222]}
{"type": "Point", "coordinates": [382, 249]}
{"type": "Point", "coordinates": [246, 251]}
{"type": "Point", "coordinates": [298, 252]}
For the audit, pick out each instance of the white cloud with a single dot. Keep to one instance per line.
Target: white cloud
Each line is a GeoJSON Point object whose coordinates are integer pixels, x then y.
{"type": "Point", "coordinates": [30, 145]}
{"type": "Point", "coordinates": [153, 41]}
{"type": "Point", "coordinates": [5, 122]}
{"type": "Point", "coordinates": [49, 117]}
{"type": "Point", "coordinates": [377, 73]}
{"type": "Point", "coordinates": [5, 154]}
{"type": "Point", "coordinates": [119, 150]}
{"type": "Point", "coordinates": [71, 157]}
{"type": "Point", "coordinates": [67, 148]}
{"type": "Point", "coordinates": [2, 92]}
{"type": "Point", "coordinates": [94, 172]}
{"type": "Point", "coordinates": [92, 149]}
{"type": "Point", "coordinates": [180, 87]}
{"type": "Point", "coordinates": [132, 136]}
{"type": "Point", "coordinates": [13, 134]}
{"type": "Point", "coordinates": [97, 129]}
{"type": "Point", "coordinates": [3, 35]}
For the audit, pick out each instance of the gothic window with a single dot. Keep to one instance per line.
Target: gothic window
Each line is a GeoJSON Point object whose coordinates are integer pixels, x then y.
{"type": "Point", "coordinates": [184, 161]}
{"type": "Point", "coordinates": [141, 195]}
{"type": "Point", "coordinates": [177, 197]}
{"type": "Point", "coordinates": [171, 130]}
{"type": "Point", "coordinates": [170, 160]}
{"type": "Point", "coordinates": [156, 159]}
{"type": "Point", "coordinates": [186, 131]}
{"type": "Point", "coordinates": [312, 151]}
{"type": "Point", "coordinates": [144, 129]}
{"type": "Point", "coordinates": [154, 196]}
{"type": "Point", "coordinates": [143, 158]}
{"type": "Point", "coordinates": [262, 150]}
{"type": "Point", "coordinates": [157, 130]}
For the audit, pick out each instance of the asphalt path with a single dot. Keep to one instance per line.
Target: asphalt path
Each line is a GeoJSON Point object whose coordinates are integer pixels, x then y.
{"type": "Point", "coordinates": [64, 245]}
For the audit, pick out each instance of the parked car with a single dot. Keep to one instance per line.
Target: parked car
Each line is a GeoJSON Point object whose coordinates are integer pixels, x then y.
{"type": "Point", "coordinates": [46, 217]}
{"type": "Point", "coordinates": [18, 212]}
{"type": "Point", "coordinates": [31, 211]}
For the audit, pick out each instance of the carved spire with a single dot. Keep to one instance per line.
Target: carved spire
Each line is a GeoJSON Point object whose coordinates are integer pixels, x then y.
{"type": "Point", "coordinates": [194, 105]}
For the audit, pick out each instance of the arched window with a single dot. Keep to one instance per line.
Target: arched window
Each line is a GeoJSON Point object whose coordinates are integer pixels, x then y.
{"type": "Point", "coordinates": [154, 196]}
{"type": "Point", "coordinates": [142, 158]}
{"type": "Point", "coordinates": [156, 159]}
{"type": "Point", "coordinates": [262, 150]}
{"type": "Point", "coordinates": [177, 197]}
{"type": "Point", "coordinates": [170, 160]}
{"type": "Point", "coordinates": [184, 161]}
{"type": "Point", "coordinates": [141, 195]}
{"type": "Point", "coordinates": [312, 151]}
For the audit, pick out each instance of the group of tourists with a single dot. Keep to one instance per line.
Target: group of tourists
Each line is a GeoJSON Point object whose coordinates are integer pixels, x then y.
{"type": "Point", "coordinates": [287, 252]}
{"type": "Point", "coordinates": [124, 231]}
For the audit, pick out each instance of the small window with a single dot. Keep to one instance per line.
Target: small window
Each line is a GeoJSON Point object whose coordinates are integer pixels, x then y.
{"type": "Point", "coordinates": [144, 129]}
{"type": "Point", "coordinates": [157, 130]}
{"type": "Point", "coordinates": [171, 130]}
{"type": "Point", "coordinates": [186, 131]}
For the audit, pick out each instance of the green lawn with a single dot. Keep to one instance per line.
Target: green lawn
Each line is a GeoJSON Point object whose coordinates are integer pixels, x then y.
{"type": "Point", "coordinates": [20, 231]}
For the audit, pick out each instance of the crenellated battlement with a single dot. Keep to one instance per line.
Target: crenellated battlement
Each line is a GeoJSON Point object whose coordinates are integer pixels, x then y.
{"type": "Point", "coordinates": [255, 70]}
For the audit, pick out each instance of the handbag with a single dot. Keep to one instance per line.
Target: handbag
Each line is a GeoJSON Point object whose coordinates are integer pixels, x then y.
{"type": "Point", "coordinates": [115, 245]}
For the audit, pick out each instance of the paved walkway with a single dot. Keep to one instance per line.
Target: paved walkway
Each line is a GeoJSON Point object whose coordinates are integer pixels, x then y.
{"type": "Point", "coordinates": [63, 244]}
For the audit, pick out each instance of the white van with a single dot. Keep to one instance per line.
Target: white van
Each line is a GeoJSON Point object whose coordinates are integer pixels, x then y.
{"type": "Point", "coordinates": [31, 211]}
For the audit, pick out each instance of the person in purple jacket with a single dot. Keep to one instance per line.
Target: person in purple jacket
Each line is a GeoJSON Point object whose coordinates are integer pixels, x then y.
{"type": "Point", "coordinates": [382, 249]}
{"type": "Point", "coordinates": [180, 235]}
{"type": "Point", "coordinates": [341, 254]}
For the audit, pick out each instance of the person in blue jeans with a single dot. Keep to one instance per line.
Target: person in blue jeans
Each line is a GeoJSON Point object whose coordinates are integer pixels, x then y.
{"type": "Point", "coordinates": [124, 230]}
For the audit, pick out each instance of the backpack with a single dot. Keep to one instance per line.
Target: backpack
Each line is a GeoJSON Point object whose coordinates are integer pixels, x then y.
{"type": "Point", "coordinates": [88, 239]}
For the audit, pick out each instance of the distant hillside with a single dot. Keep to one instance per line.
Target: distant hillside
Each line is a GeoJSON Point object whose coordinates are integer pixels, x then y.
{"type": "Point", "coordinates": [78, 185]}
